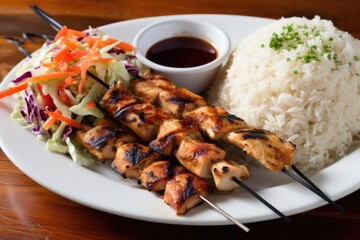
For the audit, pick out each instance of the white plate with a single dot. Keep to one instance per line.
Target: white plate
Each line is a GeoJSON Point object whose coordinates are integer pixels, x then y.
{"type": "Point", "coordinates": [101, 188]}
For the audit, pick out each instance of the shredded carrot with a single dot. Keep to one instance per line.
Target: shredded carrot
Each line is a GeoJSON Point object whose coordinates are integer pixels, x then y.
{"type": "Point", "coordinates": [74, 69]}
{"type": "Point", "coordinates": [63, 96]}
{"type": "Point", "coordinates": [61, 53]}
{"type": "Point", "coordinates": [122, 45]}
{"type": "Point", "coordinates": [46, 64]}
{"type": "Point", "coordinates": [90, 41]}
{"type": "Point", "coordinates": [84, 67]}
{"type": "Point", "coordinates": [96, 45]}
{"type": "Point", "coordinates": [125, 46]}
{"type": "Point", "coordinates": [62, 32]}
{"type": "Point", "coordinates": [12, 90]}
{"type": "Point", "coordinates": [52, 75]}
{"type": "Point", "coordinates": [69, 43]}
{"type": "Point", "coordinates": [93, 54]}
{"type": "Point", "coordinates": [78, 54]}
{"type": "Point", "coordinates": [50, 121]}
{"type": "Point", "coordinates": [105, 60]}
{"type": "Point", "coordinates": [69, 81]}
{"type": "Point", "coordinates": [67, 120]}
{"type": "Point", "coordinates": [90, 105]}
{"type": "Point", "coordinates": [103, 43]}
{"type": "Point", "coordinates": [75, 33]}
{"type": "Point", "coordinates": [36, 79]}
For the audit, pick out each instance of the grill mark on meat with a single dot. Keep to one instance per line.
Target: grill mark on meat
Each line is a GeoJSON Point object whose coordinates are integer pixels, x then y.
{"type": "Point", "coordinates": [122, 113]}
{"type": "Point", "coordinates": [170, 170]}
{"type": "Point", "coordinates": [189, 190]}
{"type": "Point", "coordinates": [231, 118]}
{"type": "Point", "coordinates": [134, 155]}
{"type": "Point", "coordinates": [163, 143]}
{"type": "Point", "coordinates": [114, 96]}
{"type": "Point", "coordinates": [141, 116]}
{"type": "Point", "coordinates": [225, 169]}
{"type": "Point", "coordinates": [201, 151]}
{"type": "Point", "coordinates": [180, 100]}
{"type": "Point", "coordinates": [117, 94]}
{"type": "Point", "coordinates": [254, 134]}
{"type": "Point", "coordinates": [188, 123]}
{"type": "Point", "coordinates": [149, 185]}
{"type": "Point", "coordinates": [100, 142]}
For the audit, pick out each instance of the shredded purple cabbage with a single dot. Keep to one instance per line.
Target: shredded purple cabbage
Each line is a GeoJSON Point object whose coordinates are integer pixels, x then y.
{"type": "Point", "coordinates": [31, 113]}
{"type": "Point", "coordinates": [37, 130]}
{"type": "Point", "coordinates": [56, 49]}
{"type": "Point", "coordinates": [24, 76]}
{"type": "Point", "coordinates": [67, 131]}
{"type": "Point", "coordinates": [133, 70]}
{"type": "Point", "coordinates": [116, 51]}
{"type": "Point", "coordinates": [130, 57]}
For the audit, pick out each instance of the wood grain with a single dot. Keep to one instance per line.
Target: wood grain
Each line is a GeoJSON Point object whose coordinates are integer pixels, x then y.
{"type": "Point", "coordinates": [30, 211]}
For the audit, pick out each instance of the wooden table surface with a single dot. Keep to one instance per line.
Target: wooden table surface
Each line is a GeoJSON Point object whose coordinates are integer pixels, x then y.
{"type": "Point", "coordinates": [30, 211]}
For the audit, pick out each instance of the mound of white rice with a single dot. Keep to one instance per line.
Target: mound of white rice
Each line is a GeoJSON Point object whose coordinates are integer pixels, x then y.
{"type": "Point", "coordinates": [298, 78]}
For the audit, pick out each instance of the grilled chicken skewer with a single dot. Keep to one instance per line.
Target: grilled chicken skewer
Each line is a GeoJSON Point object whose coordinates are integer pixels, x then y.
{"type": "Point", "coordinates": [171, 133]}
{"type": "Point", "coordinates": [215, 123]}
{"type": "Point", "coordinates": [182, 189]}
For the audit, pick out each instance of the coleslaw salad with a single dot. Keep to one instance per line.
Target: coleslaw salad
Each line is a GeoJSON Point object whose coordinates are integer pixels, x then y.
{"type": "Point", "coordinates": [54, 94]}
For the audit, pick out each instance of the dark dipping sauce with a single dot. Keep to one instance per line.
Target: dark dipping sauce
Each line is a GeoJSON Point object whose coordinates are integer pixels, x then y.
{"type": "Point", "coordinates": [182, 52]}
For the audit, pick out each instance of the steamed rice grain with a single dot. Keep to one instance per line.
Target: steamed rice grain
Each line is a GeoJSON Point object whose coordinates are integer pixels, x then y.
{"type": "Point", "coordinates": [298, 78]}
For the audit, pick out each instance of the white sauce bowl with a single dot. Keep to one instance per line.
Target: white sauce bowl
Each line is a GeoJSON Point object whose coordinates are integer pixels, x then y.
{"type": "Point", "coordinates": [198, 78]}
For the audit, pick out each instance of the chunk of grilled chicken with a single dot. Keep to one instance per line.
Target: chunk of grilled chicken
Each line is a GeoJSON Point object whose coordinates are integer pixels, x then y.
{"type": "Point", "coordinates": [160, 91]}
{"type": "Point", "coordinates": [131, 158]}
{"type": "Point", "coordinates": [150, 85]}
{"type": "Point", "coordinates": [155, 176]}
{"type": "Point", "coordinates": [198, 156]}
{"type": "Point", "coordinates": [182, 192]}
{"type": "Point", "coordinates": [214, 121]}
{"type": "Point", "coordinates": [270, 150]}
{"type": "Point", "coordinates": [103, 139]}
{"type": "Point", "coordinates": [116, 98]}
{"type": "Point", "coordinates": [141, 117]}
{"type": "Point", "coordinates": [223, 173]}
{"type": "Point", "coordinates": [178, 101]}
{"type": "Point", "coordinates": [171, 133]}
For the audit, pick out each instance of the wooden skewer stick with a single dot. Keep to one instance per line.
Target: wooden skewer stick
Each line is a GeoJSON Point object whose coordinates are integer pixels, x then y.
{"type": "Point", "coordinates": [258, 197]}
{"type": "Point", "coordinates": [51, 21]}
{"type": "Point", "coordinates": [219, 210]}
{"type": "Point", "coordinates": [302, 175]}
{"type": "Point", "coordinates": [312, 187]}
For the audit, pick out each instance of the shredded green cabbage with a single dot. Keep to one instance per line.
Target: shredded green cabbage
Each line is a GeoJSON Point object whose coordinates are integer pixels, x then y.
{"type": "Point", "coordinates": [78, 155]}
{"type": "Point", "coordinates": [94, 94]}
{"type": "Point", "coordinates": [57, 146]}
